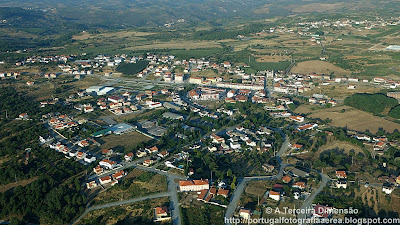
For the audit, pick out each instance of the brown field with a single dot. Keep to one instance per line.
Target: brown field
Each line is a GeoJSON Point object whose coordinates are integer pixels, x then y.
{"type": "Point", "coordinates": [136, 213]}
{"type": "Point", "coordinates": [122, 34]}
{"type": "Point", "coordinates": [341, 145]}
{"type": "Point", "coordinates": [125, 140]}
{"type": "Point", "coordinates": [22, 183]}
{"type": "Point", "coordinates": [319, 67]}
{"type": "Point", "coordinates": [205, 73]}
{"type": "Point", "coordinates": [271, 58]}
{"type": "Point", "coordinates": [157, 183]}
{"type": "Point", "coordinates": [258, 187]}
{"type": "Point", "coordinates": [355, 119]}
{"type": "Point", "coordinates": [177, 45]}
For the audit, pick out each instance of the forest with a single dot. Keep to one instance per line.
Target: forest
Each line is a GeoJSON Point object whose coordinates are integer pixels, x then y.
{"type": "Point", "coordinates": [132, 68]}
{"type": "Point", "coordinates": [372, 103]}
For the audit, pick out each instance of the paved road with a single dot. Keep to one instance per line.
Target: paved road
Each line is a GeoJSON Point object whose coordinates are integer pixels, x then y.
{"type": "Point", "coordinates": [124, 202]}
{"type": "Point", "coordinates": [307, 203]}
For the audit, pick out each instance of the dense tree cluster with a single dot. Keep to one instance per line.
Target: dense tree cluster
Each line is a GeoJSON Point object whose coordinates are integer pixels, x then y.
{"type": "Point", "coordinates": [373, 103]}
{"type": "Point", "coordinates": [132, 68]}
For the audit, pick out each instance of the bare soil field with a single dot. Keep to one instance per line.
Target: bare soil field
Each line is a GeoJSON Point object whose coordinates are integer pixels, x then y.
{"type": "Point", "coordinates": [319, 67]}
{"type": "Point", "coordinates": [22, 183]}
{"type": "Point", "coordinates": [341, 145]}
{"type": "Point", "coordinates": [122, 34]}
{"type": "Point", "coordinates": [355, 119]}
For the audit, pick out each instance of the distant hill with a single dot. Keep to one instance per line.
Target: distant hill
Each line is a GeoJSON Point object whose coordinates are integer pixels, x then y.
{"type": "Point", "coordinates": [138, 13]}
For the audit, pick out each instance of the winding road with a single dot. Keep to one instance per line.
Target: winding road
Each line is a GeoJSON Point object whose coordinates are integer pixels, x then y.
{"type": "Point", "coordinates": [243, 182]}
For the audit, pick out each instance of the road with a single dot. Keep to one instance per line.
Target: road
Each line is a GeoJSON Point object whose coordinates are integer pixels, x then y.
{"type": "Point", "coordinates": [307, 203]}
{"type": "Point", "coordinates": [243, 182]}
{"type": "Point", "coordinates": [124, 202]}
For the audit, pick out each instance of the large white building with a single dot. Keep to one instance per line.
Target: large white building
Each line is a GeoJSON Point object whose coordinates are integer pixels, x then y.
{"type": "Point", "coordinates": [194, 185]}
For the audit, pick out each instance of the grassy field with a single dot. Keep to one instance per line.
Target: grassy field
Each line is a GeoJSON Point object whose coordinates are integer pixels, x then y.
{"type": "Point", "coordinates": [136, 213]}
{"type": "Point", "coordinates": [354, 119]}
{"type": "Point", "coordinates": [125, 140]}
{"type": "Point", "coordinates": [319, 67]}
{"type": "Point", "coordinates": [136, 183]}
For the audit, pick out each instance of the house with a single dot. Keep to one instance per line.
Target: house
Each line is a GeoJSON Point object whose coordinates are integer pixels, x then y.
{"type": "Point", "coordinates": [141, 154]}
{"type": "Point", "coordinates": [88, 109]}
{"type": "Point", "coordinates": [118, 175]}
{"type": "Point", "coordinates": [398, 180]}
{"type": "Point", "coordinates": [245, 214]}
{"type": "Point", "coordinates": [298, 119]}
{"type": "Point", "coordinates": [297, 146]}
{"type": "Point", "coordinates": [268, 168]}
{"type": "Point", "coordinates": [83, 143]}
{"type": "Point", "coordinates": [109, 164]}
{"type": "Point", "coordinates": [91, 184]}
{"type": "Point", "coordinates": [274, 195]}
{"type": "Point", "coordinates": [30, 83]}
{"type": "Point", "coordinates": [234, 145]}
{"type": "Point", "coordinates": [216, 139]}
{"type": "Point", "coordinates": [341, 183]}
{"type": "Point", "coordinates": [286, 179]}
{"type": "Point", "coordinates": [128, 157]}
{"type": "Point", "coordinates": [341, 174]}
{"type": "Point", "coordinates": [379, 146]}
{"type": "Point", "coordinates": [194, 185]}
{"type": "Point", "coordinates": [223, 192]}
{"type": "Point", "coordinates": [80, 155]}
{"type": "Point", "coordinates": [202, 195]}
{"type": "Point", "coordinates": [388, 188]}
{"type": "Point", "coordinates": [153, 149]}
{"type": "Point", "coordinates": [89, 158]}
{"type": "Point", "coordinates": [148, 162]}
{"type": "Point", "coordinates": [190, 171]}
{"type": "Point", "coordinates": [107, 152]}
{"type": "Point", "coordinates": [23, 116]}
{"type": "Point", "coordinates": [163, 154]}
{"type": "Point", "coordinates": [105, 180]}
{"type": "Point", "coordinates": [251, 143]}
{"type": "Point", "coordinates": [299, 185]}
{"type": "Point", "coordinates": [161, 214]}
{"type": "Point", "coordinates": [98, 169]}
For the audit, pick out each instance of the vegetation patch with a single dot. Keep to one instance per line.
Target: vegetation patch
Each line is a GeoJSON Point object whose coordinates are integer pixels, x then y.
{"type": "Point", "coordinates": [373, 103]}
{"type": "Point", "coordinates": [132, 68]}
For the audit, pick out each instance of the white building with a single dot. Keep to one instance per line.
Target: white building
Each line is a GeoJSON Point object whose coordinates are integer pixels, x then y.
{"type": "Point", "coordinates": [193, 185]}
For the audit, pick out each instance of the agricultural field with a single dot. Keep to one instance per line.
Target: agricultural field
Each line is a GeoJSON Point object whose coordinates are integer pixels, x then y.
{"type": "Point", "coordinates": [319, 67]}
{"type": "Point", "coordinates": [355, 119]}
